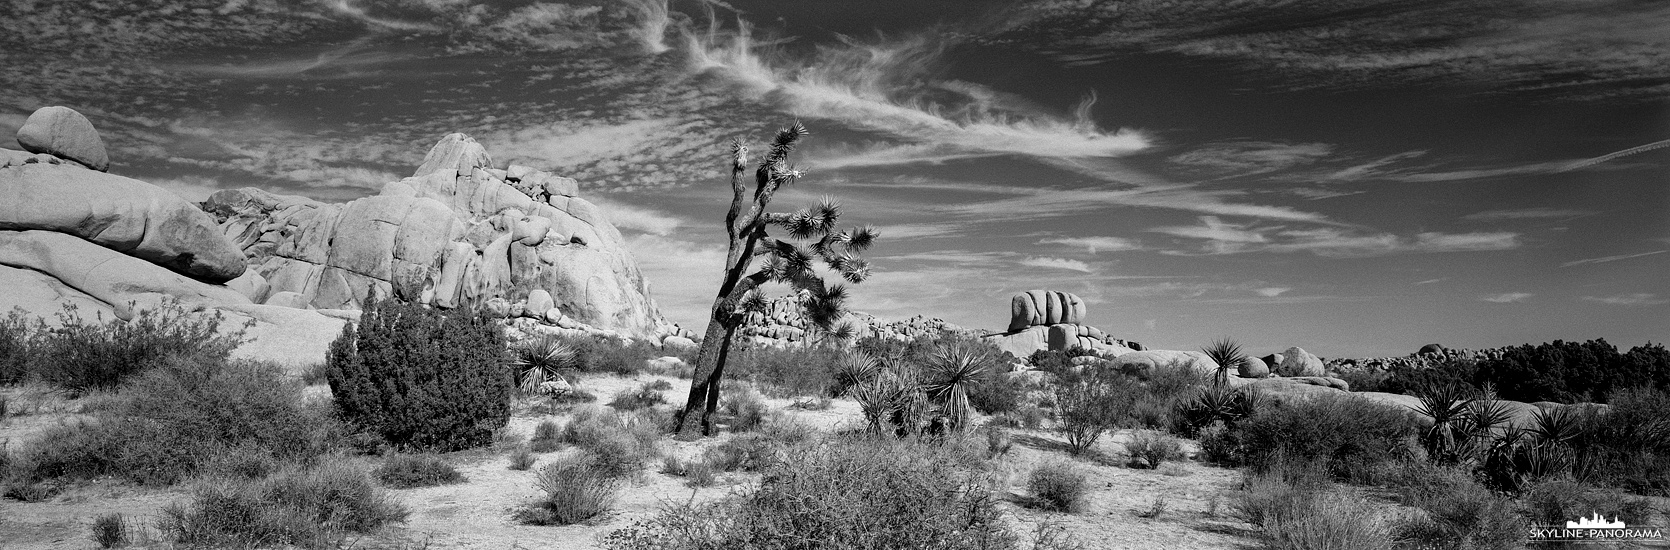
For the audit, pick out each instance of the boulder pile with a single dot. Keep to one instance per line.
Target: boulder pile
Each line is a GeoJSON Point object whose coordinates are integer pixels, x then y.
{"type": "Point", "coordinates": [458, 233]}
{"type": "Point", "coordinates": [1051, 320]}
{"type": "Point", "coordinates": [782, 324]}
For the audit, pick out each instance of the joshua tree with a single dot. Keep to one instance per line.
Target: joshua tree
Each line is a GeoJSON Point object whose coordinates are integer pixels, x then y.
{"type": "Point", "coordinates": [813, 236]}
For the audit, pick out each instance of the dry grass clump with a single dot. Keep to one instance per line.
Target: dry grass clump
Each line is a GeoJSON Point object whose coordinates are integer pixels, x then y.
{"type": "Point", "coordinates": [1059, 486]}
{"type": "Point", "coordinates": [620, 444]}
{"type": "Point", "coordinates": [578, 488]}
{"type": "Point", "coordinates": [314, 508]}
{"type": "Point", "coordinates": [841, 493]}
{"type": "Point", "coordinates": [1153, 448]}
{"type": "Point", "coordinates": [407, 471]}
{"type": "Point", "coordinates": [1296, 508]}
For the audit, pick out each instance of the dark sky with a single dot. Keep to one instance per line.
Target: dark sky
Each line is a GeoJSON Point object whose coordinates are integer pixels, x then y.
{"type": "Point", "coordinates": [1355, 177]}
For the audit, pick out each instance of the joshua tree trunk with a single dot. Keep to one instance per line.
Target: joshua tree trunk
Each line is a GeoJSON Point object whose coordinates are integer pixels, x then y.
{"type": "Point", "coordinates": [745, 225]}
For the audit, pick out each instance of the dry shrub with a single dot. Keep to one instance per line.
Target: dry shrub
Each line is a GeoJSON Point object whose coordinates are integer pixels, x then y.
{"type": "Point", "coordinates": [404, 471]}
{"type": "Point", "coordinates": [315, 507]}
{"type": "Point", "coordinates": [1060, 486]}
{"type": "Point", "coordinates": [577, 489]}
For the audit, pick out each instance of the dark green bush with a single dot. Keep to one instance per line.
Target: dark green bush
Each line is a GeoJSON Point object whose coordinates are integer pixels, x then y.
{"type": "Point", "coordinates": [1350, 436]}
{"type": "Point", "coordinates": [1561, 371]}
{"type": "Point", "coordinates": [82, 356]}
{"type": "Point", "coordinates": [314, 508]}
{"type": "Point", "coordinates": [996, 394]}
{"type": "Point", "coordinates": [865, 493]}
{"type": "Point", "coordinates": [420, 378]}
{"type": "Point", "coordinates": [1628, 444]}
{"type": "Point", "coordinates": [404, 471]}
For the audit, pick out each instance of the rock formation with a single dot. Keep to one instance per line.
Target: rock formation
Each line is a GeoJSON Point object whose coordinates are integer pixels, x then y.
{"type": "Point", "coordinates": [1298, 362]}
{"type": "Point", "coordinates": [457, 233]}
{"type": "Point", "coordinates": [1050, 320]}
{"type": "Point", "coordinates": [782, 324]}
{"type": "Point", "coordinates": [66, 134]}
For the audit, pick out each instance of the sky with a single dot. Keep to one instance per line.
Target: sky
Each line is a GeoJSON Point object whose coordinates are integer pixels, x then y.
{"type": "Point", "coordinates": [1355, 177]}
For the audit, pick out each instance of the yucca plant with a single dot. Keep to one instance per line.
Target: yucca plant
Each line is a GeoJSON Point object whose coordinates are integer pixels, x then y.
{"type": "Point", "coordinates": [1217, 404]}
{"type": "Point", "coordinates": [893, 397]}
{"type": "Point", "coordinates": [951, 372]}
{"type": "Point", "coordinates": [541, 360]}
{"type": "Point", "coordinates": [1446, 405]}
{"type": "Point", "coordinates": [1227, 354]}
{"type": "Point", "coordinates": [856, 368]}
{"type": "Point", "coordinates": [1559, 425]}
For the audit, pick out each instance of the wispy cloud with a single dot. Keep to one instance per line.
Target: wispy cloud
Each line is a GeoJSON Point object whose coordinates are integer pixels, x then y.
{"type": "Point", "coordinates": [1636, 299]}
{"type": "Point", "coordinates": [1222, 237]}
{"type": "Point", "coordinates": [1431, 281]}
{"type": "Point", "coordinates": [1058, 263]}
{"type": "Point", "coordinates": [1095, 244]}
{"type": "Point", "coordinates": [1271, 292]}
{"type": "Point", "coordinates": [1507, 297]}
{"type": "Point", "coordinates": [1242, 158]}
{"type": "Point", "coordinates": [636, 218]}
{"type": "Point", "coordinates": [1527, 214]}
{"type": "Point", "coordinates": [1605, 259]}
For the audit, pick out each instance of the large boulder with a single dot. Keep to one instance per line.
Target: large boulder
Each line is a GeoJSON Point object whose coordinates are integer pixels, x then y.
{"type": "Point", "coordinates": [1043, 308]}
{"type": "Point", "coordinates": [124, 283]}
{"type": "Point", "coordinates": [1023, 343]}
{"type": "Point", "coordinates": [64, 133]}
{"type": "Point", "coordinates": [1431, 349]}
{"type": "Point", "coordinates": [1298, 362]}
{"type": "Point", "coordinates": [1252, 367]}
{"type": "Point", "coordinates": [457, 234]}
{"type": "Point", "coordinates": [123, 214]}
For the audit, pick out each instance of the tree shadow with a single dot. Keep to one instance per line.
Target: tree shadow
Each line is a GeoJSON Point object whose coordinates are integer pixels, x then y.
{"type": "Point", "coordinates": [1091, 455]}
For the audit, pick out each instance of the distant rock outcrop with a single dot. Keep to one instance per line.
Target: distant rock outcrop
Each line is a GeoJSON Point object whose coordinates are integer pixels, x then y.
{"type": "Point", "coordinates": [1051, 320]}
{"type": "Point", "coordinates": [457, 233]}
{"type": "Point", "coordinates": [782, 324]}
{"type": "Point", "coordinates": [1298, 362]}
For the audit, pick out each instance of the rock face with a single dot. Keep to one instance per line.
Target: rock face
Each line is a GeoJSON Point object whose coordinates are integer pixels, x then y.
{"type": "Point", "coordinates": [1298, 362]}
{"type": "Point", "coordinates": [1044, 307]}
{"type": "Point", "coordinates": [125, 215]}
{"type": "Point", "coordinates": [457, 233]}
{"type": "Point", "coordinates": [1142, 363]}
{"type": "Point", "coordinates": [121, 281]}
{"type": "Point", "coordinates": [64, 133]}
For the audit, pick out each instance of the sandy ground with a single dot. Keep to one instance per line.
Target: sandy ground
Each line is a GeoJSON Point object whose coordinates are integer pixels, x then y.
{"type": "Point", "coordinates": [1193, 497]}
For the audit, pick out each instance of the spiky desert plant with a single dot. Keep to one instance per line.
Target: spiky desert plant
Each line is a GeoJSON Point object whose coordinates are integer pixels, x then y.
{"type": "Point", "coordinates": [857, 367]}
{"type": "Point", "coordinates": [1557, 425]}
{"type": "Point", "coordinates": [541, 360]}
{"type": "Point", "coordinates": [1445, 404]}
{"type": "Point", "coordinates": [812, 238]}
{"type": "Point", "coordinates": [1227, 354]}
{"type": "Point", "coordinates": [951, 372]}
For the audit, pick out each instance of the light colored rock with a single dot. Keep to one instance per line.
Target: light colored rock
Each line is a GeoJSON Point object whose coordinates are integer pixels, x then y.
{"type": "Point", "coordinates": [63, 132]}
{"type": "Point", "coordinates": [666, 364]}
{"type": "Point", "coordinates": [1435, 349]}
{"type": "Point", "coordinates": [555, 387]}
{"type": "Point", "coordinates": [287, 299]}
{"type": "Point", "coordinates": [557, 186]}
{"type": "Point", "coordinates": [252, 285]}
{"type": "Point", "coordinates": [1253, 367]}
{"type": "Point", "coordinates": [679, 343]}
{"type": "Point", "coordinates": [498, 307]}
{"type": "Point", "coordinates": [1298, 362]}
{"type": "Point", "coordinates": [457, 152]}
{"type": "Point", "coordinates": [295, 338]}
{"type": "Point", "coordinates": [40, 295]}
{"type": "Point", "coordinates": [1044, 307]}
{"type": "Point", "coordinates": [462, 237]}
{"type": "Point", "coordinates": [1024, 343]}
{"type": "Point", "coordinates": [125, 283]}
{"type": "Point", "coordinates": [539, 303]}
{"type": "Point", "coordinates": [123, 214]}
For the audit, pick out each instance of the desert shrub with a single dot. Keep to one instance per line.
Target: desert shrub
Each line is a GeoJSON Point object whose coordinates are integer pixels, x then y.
{"type": "Point", "coordinates": [407, 471]}
{"type": "Point", "coordinates": [1628, 444]}
{"type": "Point", "coordinates": [1153, 448]}
{"type": "Point", "coordinates": [1215, 404]}
{"type": "Point", "coordinates": [1455, 510]}
{"type": "Point", "coordinates": [820, 403]}
{"type": "Point", "coordinates": [173, 419]}
{"type": "Point", "coordinates": [1092, 404]}
{"type": "Point", "coordinates": [743, 409]}
{"type": "Point", "coordinates": [618, 445]}
{"type": "Point", "coordinates": [609, 355]}
{"type": "Point", "coordinates": [315, 507]}
{"type": "Point", "coordinates": [16, 336]}
{"type": "Point", "coordinates": [420, 378]}
{"type": "Point", "coordinates": [110, 531]}
{"type": "Point", "coordinates": [856, 367]}
{"type": "Point", "coordinates": [82, 356]}
{"type": "Point", "coordinates": [1220, 445]}
{"type": "Point", "coordinates": [658, 385]}
{"type": "Point", "coordinates": [1349, 435]}
{"type": "Point", "coordinates": [1569, 372]}
{"type": "Point", "coordinates": [641, 398]}
{"type": "Point", "coordinates": [522, 458]}
{"type": "Point", "coordinates": [71, 450]}
{"type": "Point", "coordinates": [1295, 517]}
{"type": "Point", "coordinates": [854, 493]}
{"type": "Point", "coordinates": [1058, 363]}
{"type": "Point", "coordinates": [700, 474]}
{"type": "Point", "coordinates": [996, 394]}
{"type": "Point", "coordinates": [576, 489]}
{"type": "Point", "coordinates": [316, 374]}
{"type": "Point", "coordinates": [1058, 485]}
{"type": "Point", "coordinates": [788, 371]}
{"type": "Point", "coordinates": [547, 437]}
{"type": "Point", "coordinates": [674, 466]}
{"type": "Point", "coordinates": [241, 463]}
{"type": "Point", "coordinates": [998, 440]}
{"type": "Point", "coordinates": [1556, 502]}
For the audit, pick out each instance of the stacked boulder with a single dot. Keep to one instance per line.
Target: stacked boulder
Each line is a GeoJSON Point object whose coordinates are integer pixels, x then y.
{"type": "Point", "coordinates": [458, 233]}
{"type": "Point", "coordinates": [1052, 320]}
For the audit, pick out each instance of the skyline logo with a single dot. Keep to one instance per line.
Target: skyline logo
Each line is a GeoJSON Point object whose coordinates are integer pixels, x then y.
{"type": "Point", "coordinates": [1596, 522]}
